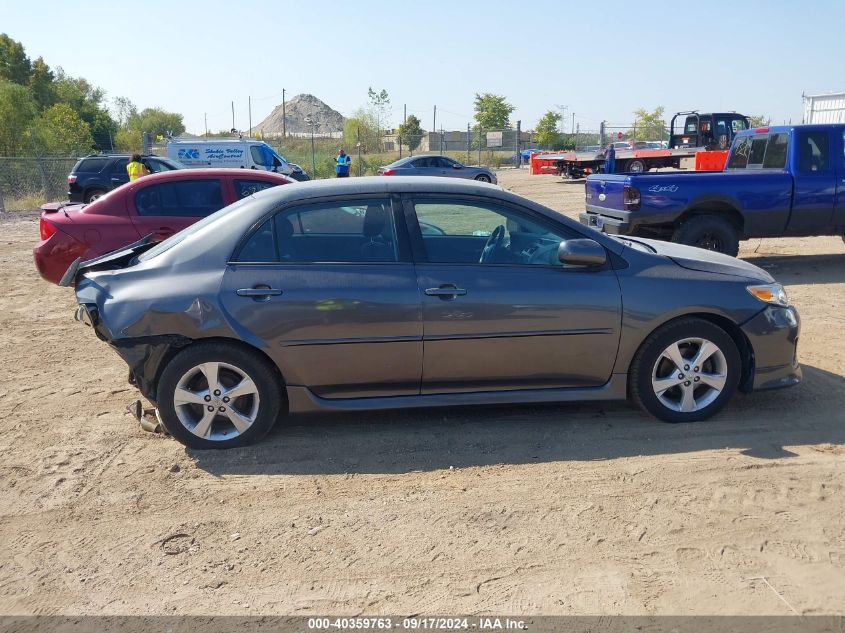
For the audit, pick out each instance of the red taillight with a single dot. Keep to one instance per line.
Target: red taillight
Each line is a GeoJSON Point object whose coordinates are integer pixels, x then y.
{"type": "Point", "coordinates": [46, 228]}
{"type": "Point", "coordinates": [71, 179]}
{"type": "Point", "coordinates": [631, 197]}
{"type": "Point", "coordinates": [761, 130]}
{"type": "Point", "coordinates": [388, 172]}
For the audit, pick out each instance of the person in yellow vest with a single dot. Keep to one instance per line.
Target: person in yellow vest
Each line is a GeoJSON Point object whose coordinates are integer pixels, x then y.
{"type": "Point", "coordinates": [136, 168]}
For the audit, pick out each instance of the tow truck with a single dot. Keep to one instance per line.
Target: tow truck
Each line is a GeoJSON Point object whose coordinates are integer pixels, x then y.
{"type": "Point", "coordinates": [700, 132]}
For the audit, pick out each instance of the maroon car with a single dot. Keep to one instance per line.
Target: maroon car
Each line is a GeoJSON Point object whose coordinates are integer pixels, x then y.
{"type": "Point", "coordinates": [161, 204]}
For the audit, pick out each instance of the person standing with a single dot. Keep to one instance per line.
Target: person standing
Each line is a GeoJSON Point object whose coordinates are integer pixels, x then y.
{"type": "Point", "coordinates": [610, 159]}
{"type": "Point", "coordinates": [135, 168]}
{"type": "Point", "coordinates": [341, 170]}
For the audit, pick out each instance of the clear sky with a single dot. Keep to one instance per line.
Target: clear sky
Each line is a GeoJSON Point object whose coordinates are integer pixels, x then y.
{"type": "Point", "coordinates": [600, 59]}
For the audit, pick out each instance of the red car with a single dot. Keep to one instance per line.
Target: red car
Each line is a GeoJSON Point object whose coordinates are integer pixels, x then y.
{"type": "Point", "coordinates": [161, 204]}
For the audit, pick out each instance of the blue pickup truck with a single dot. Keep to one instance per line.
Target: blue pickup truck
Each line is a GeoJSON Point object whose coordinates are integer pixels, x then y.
{"type": "Point", "coordinates": [777, 182]}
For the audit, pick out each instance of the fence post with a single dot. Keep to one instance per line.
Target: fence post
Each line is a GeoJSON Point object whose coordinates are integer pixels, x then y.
{"type": "Point", "coordinates": [2, 203]}
{"type": "Point", "coordinates": [469, 142]}
{"type": "Point", "coordinates": [400, 146]}
{"type": "Point", "coordinates": [518, 155]}
{"type": "Point", "coordinates": [601, 134]}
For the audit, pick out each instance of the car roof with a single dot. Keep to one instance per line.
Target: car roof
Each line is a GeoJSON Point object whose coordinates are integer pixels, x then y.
{"type": "Point", "coordinates": [379, 185]}
{"type": "Point", "coordinates": [214, 172]}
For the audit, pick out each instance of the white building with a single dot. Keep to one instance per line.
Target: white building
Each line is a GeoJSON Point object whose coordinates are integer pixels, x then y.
{"type": "Point", "coordinates": [828, 108]}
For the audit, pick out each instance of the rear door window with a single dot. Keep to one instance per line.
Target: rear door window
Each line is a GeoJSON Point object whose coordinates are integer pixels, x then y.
{"type": "Point", "coordinates": [739, 154]}
{"type": "Point", "coordinates": [187, 198]}
{"type": "Point", "coordinates": [813, 151]}
{"type": "Point", "coordinates": [776, 151]}
{"type": "Point", "coordinates": [357, 231]}
{"type": "Point", "coordinates": [119, 166]}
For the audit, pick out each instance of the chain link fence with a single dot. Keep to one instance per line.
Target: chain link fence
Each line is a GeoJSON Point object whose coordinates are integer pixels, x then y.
{"type": "Point", "coordinates": [27, 182]}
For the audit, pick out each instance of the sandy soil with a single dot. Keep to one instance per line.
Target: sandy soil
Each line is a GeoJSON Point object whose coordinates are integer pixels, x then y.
{"type": "Point", "coordinates": [587, 509]}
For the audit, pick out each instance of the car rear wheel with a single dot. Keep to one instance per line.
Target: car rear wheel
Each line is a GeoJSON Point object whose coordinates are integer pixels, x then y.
{"type": "Point", "coordinates": [93, 194]}
{"type": "Point", "coordinates": [219, 395]}
{"type": "Point", "coordinates": [685, 371]}
{"type": "Point", "coordinates": [710, 232]}
{"type": "Point", "coordinates": [483, 178]}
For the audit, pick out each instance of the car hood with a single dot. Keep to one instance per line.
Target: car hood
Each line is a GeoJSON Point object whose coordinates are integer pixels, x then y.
{"type": "Point", "coordinates": [693, 258]}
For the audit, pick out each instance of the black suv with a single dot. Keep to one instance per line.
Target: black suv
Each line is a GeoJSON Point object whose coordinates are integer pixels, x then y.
{"type": "Point", "coordinates": [97, 174]}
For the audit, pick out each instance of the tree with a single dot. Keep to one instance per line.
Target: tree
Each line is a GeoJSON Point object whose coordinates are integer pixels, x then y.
{"type": "Point", "coordinates": [156, 121]}
{"type": "Point", "coordinates": [547, 132]}
{"type": "Point", "coordinates": [379, 102]}
{"type": "Point", "coordinates": [411, 133]}
{"type": "Point", "coordinates": [647, 125]}
{"type": "Point", "coordinates": [758, 120]}
{"type": "Point", "coordinates": [362, 127]}
{"type": "Point", "coordinates": [18, 112]}
{"type": "Point", "coordinates": [123, 109]}
{"type": "Point", "coordinates": [492, 111]}
{"type": "Point", "coordinates": [41, 81]}
{"type": "Point", "coordinates": [15, 66]}
{"type": "Point", "coordinates": [62, 131]}
{"type": "Point", "coordinates": [87, 100]}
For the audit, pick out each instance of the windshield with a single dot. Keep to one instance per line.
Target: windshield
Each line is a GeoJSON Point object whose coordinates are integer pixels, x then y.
{"type": "Point", "coordinates": [172, 241]}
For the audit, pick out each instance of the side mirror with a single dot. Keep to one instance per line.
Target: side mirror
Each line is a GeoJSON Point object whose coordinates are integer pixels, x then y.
{"type": "Point", "coordinates": [457, 166]}
{"type": "Point", "coordinates": [581, 252]}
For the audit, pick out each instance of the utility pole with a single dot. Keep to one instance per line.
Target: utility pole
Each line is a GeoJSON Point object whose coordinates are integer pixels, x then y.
{"type": "Point", "coordinates": [434, 121]}
{"type": "Point", "coordinates": [518, 155]}
{"type": "Point", "coordinates": [233, 115]}
{"type": "Point", "coordinates": [284, 129]}
{"type": "Point", "coordinates": [405, 113]}
{"type": "Point", "coordinates": [205, 117]}
{"type": "Point", "coordinates": [573, 123]}
{"type": "Point", "coordinates": [250, 115]}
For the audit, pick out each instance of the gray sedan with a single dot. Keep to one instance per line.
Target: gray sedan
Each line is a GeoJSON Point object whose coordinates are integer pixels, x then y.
{"type": "Point", "coordinates": [376, 293]}
{"type": "Point", "coordinates": [432, 165]}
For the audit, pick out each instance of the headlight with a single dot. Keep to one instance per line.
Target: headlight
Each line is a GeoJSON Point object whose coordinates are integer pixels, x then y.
{"type": "Point", "coordinates": [770, 293]}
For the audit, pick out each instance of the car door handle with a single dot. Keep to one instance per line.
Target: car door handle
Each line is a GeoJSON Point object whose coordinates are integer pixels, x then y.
{"type": "Point", "coordinates": [258, 292]}
{"type": "Point", "coordinates": [446, 291]}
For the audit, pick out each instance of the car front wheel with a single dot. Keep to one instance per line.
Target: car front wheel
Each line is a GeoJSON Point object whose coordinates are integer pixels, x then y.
{"type": "Point", "coordinates": [685, 371]}
{"type": "Point", "coordinates": [219, 395]}
{"type": "Point", "coordinates": [483, 178]}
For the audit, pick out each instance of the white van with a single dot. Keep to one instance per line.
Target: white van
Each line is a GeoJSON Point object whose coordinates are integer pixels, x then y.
{"type": "Point", "coordinates": [243, 153]}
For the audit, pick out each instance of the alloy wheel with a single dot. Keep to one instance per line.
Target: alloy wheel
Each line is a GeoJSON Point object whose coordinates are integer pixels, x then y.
{"type": "Point", "coordinates": [689, 374]}
{"type": "Point", "coordinates": [216, 401]}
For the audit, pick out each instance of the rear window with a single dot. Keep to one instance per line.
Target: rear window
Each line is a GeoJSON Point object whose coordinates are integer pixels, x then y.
{"type": "Point", "coordinates": [758, 151]}
{"type": "Point", "coordinates": [188, 198]}
{"type": "Point", "coordinates": [90, 165]}
{"type": "Point", "coordinates": [246, 188]}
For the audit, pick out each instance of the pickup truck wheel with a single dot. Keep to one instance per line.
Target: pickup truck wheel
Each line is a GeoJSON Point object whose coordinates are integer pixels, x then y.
{"type": "Point", "coordinates": [685, 371]}
{"type": "Point", "coordinates": [709, 232]}
{"type": "Point", "coordinates": [637, 166]}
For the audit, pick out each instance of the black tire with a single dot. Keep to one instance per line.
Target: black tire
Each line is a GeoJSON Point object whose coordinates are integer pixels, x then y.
{"type": "Point", "coordinates": [250, 363]}
{"type": "Point", "coordinates": [637, 166]}
{"type": "Point", "coordinates": [93, 194]}
{"type": "Point", "coordinates": [645, 365]}
{"type": "Point", "coordinates": [483, 178]}
{"type": "Point", "coordinates": [710, 232]}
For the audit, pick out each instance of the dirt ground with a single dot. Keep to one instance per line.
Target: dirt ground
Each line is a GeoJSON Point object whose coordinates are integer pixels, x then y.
{"type": "Point", "coordinates": [575, 509]}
